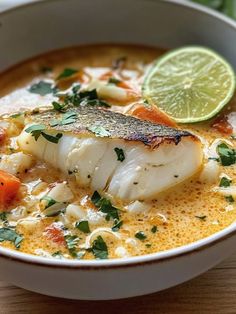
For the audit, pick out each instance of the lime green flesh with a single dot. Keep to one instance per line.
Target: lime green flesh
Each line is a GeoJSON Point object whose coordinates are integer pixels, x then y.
{"type": "Point", "coordinates": [191, 84]}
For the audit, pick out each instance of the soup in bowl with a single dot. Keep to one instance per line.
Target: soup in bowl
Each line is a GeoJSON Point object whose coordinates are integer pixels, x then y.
{"type": "Point", "coordinates": [117, 161]}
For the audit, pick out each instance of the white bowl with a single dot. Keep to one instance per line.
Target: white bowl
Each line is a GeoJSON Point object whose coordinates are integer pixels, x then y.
{"type": "Point", "coordinates": [36, 28]}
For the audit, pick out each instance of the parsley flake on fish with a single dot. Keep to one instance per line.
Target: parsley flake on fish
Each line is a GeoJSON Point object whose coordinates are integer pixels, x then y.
{"type": "Point", "coordinates": [42, 88]}
{"type": "Point", "coordinates": [120, 154]}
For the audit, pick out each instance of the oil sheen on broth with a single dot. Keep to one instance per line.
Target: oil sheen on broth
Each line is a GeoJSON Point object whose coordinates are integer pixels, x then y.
{"type": "Point", "coordinates": [188, 212]}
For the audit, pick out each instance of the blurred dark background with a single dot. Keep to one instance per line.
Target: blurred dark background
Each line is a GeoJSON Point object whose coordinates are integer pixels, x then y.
{"type": "Point", "coordinates": [227, 7]}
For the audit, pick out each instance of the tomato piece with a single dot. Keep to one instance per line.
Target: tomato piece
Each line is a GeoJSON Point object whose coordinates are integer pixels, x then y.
{"type": "Point", "coordinates": [222, 125]}
{"type": "Point", "coordinates": [9, 187]}
{"type": "Point", "coordinates": [152, 114]}
{"type": "Point", "coordinates": [55, 234]}
{"type": "Point", "coordinates": [123, 84]}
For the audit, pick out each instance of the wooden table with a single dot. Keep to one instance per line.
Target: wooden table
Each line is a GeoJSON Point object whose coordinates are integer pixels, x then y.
{"type": "Point", "coordinates": [214, 293]}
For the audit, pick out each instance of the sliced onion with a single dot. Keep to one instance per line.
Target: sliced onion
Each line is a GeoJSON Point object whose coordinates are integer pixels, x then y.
{"type": "Point", "coordinates": [96, 233]}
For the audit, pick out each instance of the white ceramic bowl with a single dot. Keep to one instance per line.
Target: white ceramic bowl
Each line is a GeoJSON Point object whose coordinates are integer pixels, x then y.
{"type": "Point", "coordinates": [36, 28]}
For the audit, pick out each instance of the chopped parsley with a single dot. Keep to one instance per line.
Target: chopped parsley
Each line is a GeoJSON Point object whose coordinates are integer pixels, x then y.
{"type": "Point", "coordinates": [148, 245]}
{"type": "Point", "coordinates": [140, 235]}
{"type": "Point", "coordinates": [203, 217]}
{"type": "Point", "coordinates": [66, 73]}
{"type": "Point", "coordinates": [99, 248]}
{"type": "Point", "coordinates": [229, 199]}
{"type": "Point", "coordinates": [52, 207]}
{"type": "Point", "coordinates": [214, 158]}
{"type": "Point", "coordinates": [113, 80]}
{"type": "Point", "coordinates": [58, 107]}
{"type": "Point", "coordinates": [76, 88]}
{"type": "Point", "coordinates": [104, 205]}
{"type": "Point", "coordinates": [83, 226]}
{"type": "Point", "coordinates": [117, 225]}
{"type": "Point", "coordinates": [96, 197]}
{"type": "Point", "coordinates": [9, 234]}
{"type": "Point", "coordinates": [42, 88]}
{"type": "Point", "coordinates": [90, 97]}
{"type": "Point", "coordinates": [227, 155]}
{"type": "Point", "coordinates": [57, 254]}
{"type": "Point", "coordinates": [17, 115]}
{"type": "Point", "coordinates": [154, 229]}
{"type": "Point", "coordinates": [95, 102]}
{"type": "Point", "coordinates": [72, 244]}
{"type": "Point", "coordinates": [89, 94]}
{"type": "Point", "coordinates": [225, 182]}
{"type": "Point", "coordinates": [3, 217]}
{"type": "Point", "coordinates": [87, 97]}
{"type": "Point", "coordinates": [67, 118]}
{"type": "Point", "coordinates": [37, 129]}
{"type": "Point", "coordinates": [49, 201]}
{"type": "Point", "coordinates": [51, 138]}
{"type": "Point", "coordinates": [99, 131]}
{"type": "Point", "coordinates": [120, 154]}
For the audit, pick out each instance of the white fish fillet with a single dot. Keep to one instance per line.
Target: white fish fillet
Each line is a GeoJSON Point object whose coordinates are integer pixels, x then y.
{"type": "Point", "coordinates": [142, 175]}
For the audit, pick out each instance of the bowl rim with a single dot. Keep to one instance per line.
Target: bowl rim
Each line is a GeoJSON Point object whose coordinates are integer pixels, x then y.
{"type": "Point", "coordinates": [157, 257]}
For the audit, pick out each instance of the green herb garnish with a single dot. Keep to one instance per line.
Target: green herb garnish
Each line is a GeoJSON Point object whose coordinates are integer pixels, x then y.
{"type": "Point", "coordinates": [117, 225]}
{"type": "Point", "coordinates": [3, 217]}
{"type": "Point", "coordinates": [8, 234]}
{"type": "Point", "coordinates": [140, 235]}
{"type": "Point", "coordinates": [72, 243]}
{"type": "Point", "coordinates": [229, 199]}
{"type": "Point", "coordinates": [58, 107]}
{"type": "Point", "coordinates": [96, 197]}
{"type": "Point", "coordinates": [89, 94]}
{"type": "Point", "coordinates": [113, 80]}
{"type": "Point", "coordinates": [214, 158]}
{"type": "Point", "coordinates": [120, 154]}
{"type": "Point", "coordinates": [51, 138]}
{"type": "Point", "coordinates": [201, 217]}
{"type": "Point", "coordinates": [37, 129]}
{"type": "Point", "coordinates": [66, 73]}
{"type": "Point", "coordinates": [83, 226]}
{"type": "Point", "coordinates": [105, 206]}
{"type": "Point", "coordinates": [95, 102]}
{"type": "Point", "coordinates": [227, 155]}
{"type": "Point", "coordinates": [50, 201]}
{"type": "Point", "coordinates": [57, 254]}
{"type": "Point", "coordinates": [225, 182]}
{"type": "Point", "coordinates": [89, 97]}
{"type": "Point", "coordinates": [68, 118]}
{"type": "Point", "coordinates": [154, 229]}
{"type": "Point", "coordinates": [16, 115]}
{"type": "Point", "coordinates": [99, 131]}
{"type": "Point", "coordinates": [99, 248]}
{"type": "Point", "coordinates": [42, 88]}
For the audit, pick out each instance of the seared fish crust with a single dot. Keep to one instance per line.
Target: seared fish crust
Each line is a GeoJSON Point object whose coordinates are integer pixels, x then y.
{"type": "Point", "coordinates": [118, 125]}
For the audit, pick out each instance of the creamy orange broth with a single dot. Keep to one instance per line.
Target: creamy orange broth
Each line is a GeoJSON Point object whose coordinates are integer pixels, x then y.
{"type": "Point", "coordinates": [186, 213]}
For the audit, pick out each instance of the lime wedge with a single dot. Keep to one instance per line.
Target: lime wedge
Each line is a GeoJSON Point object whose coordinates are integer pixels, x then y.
{"type": "Point", "coordinates": [191, 84]}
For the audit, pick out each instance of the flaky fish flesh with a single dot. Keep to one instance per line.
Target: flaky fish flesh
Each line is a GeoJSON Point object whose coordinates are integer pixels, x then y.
{"type": "Point", "coordinates": [107, 151]}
